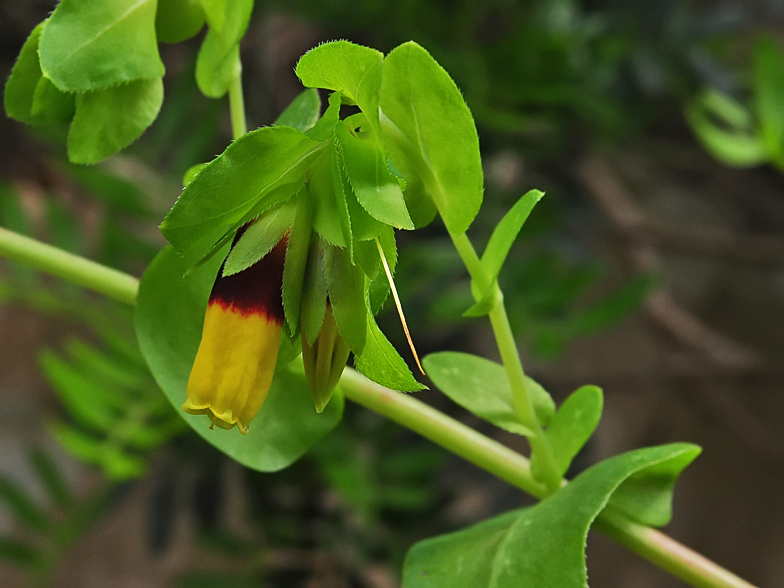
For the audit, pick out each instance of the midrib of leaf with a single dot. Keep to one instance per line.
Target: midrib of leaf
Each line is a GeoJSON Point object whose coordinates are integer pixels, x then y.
{"type": "Point", "coordinates": [258, 195]}
{"type": "Point", "coordinates": [497, 557]}
{"type": "Point", "coordinates": [103, 31]}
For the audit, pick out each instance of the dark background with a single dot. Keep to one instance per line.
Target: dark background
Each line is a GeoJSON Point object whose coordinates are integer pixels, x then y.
{"type": "Point", "coordinates": [649, 269]}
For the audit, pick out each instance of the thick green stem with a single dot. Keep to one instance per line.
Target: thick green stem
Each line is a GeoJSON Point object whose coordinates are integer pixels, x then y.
{"type": "Point", "coordinates": [73, 268]}
{"type": "Point", "coordinates": [490, 455]}
{"type": "Point", "coordinates": [510, 357]}
{"type": "Point", "coordinates": [237, 104]}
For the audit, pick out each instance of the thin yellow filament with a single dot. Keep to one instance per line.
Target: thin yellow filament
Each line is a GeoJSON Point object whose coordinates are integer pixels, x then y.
{"type": "Point", "coordinates": [399, 306]}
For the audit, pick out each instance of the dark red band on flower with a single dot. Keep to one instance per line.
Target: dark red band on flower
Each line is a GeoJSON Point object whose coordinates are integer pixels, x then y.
{"type": "Point", "coordinates": [256, 290]}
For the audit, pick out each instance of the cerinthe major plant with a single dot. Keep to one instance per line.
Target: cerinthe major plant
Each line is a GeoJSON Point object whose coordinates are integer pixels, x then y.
{"type": "Point", "coordinates": [284, 245]}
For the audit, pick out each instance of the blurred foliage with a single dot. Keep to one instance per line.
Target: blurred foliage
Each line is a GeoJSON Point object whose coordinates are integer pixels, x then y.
{"type": "Point", "coordinates": [47, 530]}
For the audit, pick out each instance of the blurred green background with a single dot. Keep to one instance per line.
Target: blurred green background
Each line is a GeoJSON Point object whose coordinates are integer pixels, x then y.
{"type": "Point", "coordinates": [654, 267]}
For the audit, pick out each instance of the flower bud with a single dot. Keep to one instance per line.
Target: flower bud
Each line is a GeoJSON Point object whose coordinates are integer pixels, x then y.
{"type": "Point", "coordinates": [324, 360]}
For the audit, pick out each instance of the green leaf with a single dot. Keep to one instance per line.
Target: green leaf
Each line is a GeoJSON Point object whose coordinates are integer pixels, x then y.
{"type": "Point", "coordinates": [19, 503]}
{"type": "Point", "coordinates": [339, 65]}
{"type": "Point", "coordinates": [224, 192]}
{"type": "Point", "coordinates": [572, 426]}
{"type": "Point", "coordinates": [376, 189]}
{"type": "Point", "coordinates": [178, 20]}
{"type": "Point", "coordinates": [732, 142]}
{"type": "Point", "coordinates": [51, 477]}
{"type": "Point", "coordinates": [429, 131]}
{"type": "Point", "coordinates": [108, 120]}
{"type": "Point", "coordinates": [769, 94]}
{"type": "Point", "coordinates": [169, 316]}
{"type": "Point", "coordinates": [302, 113]}
{"type": "Point", "coordinates": [519, 548]}
{"type": "Point", "coordinates": [217, 64]}
{"type": "Point", "coordinates": [346, 286]}
{"type": "Point", "coordinates": [506, 232]}
{"type": "Point", "coordinates": [314, 292]}
{"type": "Point", "coordinates": [381, 362]}
{"type": "Point", "coordinates": [296, 259]}
{"type": "Point", "coordinates": [481, 386]}
{"type": "Point", "coordinates": [91, 45]}
{"type": "Point", "coordinates": [260, 237]}
{"type": "Point", "coordinates": [31, 98]}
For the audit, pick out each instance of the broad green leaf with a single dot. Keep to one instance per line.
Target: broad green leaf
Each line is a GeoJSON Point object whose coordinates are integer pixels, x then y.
{"type": "Point", "coordinates": [769, 94]}
{"type": "Point", "coordinates": [91, 45]}
{"type": "Point", "coordinates": [260, 237]}
{"type": "Point", "coordinates": [572, 426]}
{"type": "Point", "coordinates": [733, 145]}
{"type": "Point", "coordinates": [217, 64]}
{"type": "Point", "coordinates": [215, 11]}
{"type": "Point", "coordinates": [302, 113]}
{"type": "Point", "coordinates": [346, 286]}
{"type": "Point", "coordinates": [169, 316]}
{"type": "Point", "coordinates": [519, 548]}
{"type": "Point", "coordinates": [381, 362]}
{"type": "Point", "coordinates": [31, 98]}
{"type": "Point", "coordinates": [327, 216]}
{"type": "Point", "coordinates": [296, 259]}
{"type": "Point", "coordinates": [178, 20]}
{"type": "Point", "coordinates": [18, 501]}
{"type": "Point", "coordinates": [481, 386]}
{"type": "Point", "coordinates": [431, 122]}
{"type": "Point", "coordinates": [506, 232]}
{"type": "Point", "coordinates": [376, 189]}
{"type": "Point", "coordinates": [339, 65]}
{"type": "Point", "coordinates": [229, 187]}
{"type": "Point", "coordinates": [314, 292]}
{"type": "Point", "coordinates": [108, 120]}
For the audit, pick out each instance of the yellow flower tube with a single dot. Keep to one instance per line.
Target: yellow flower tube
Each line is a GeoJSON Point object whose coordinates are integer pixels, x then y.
{"type": "Point", "coordinates": [233, 370]}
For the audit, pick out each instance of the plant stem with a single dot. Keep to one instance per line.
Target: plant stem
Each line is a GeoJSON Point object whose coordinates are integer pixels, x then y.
{"type": "Point", "coordinates": [406, 410]}
{"type": "Point", "coordinates": [510, 357]}
{"type": "Point", "coordinates": [68, 266]}
{"type": "Point", "coordinates": [239, 126]}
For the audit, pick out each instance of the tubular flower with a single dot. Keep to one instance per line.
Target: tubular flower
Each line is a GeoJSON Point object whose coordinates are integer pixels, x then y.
{"type": "Point", "coordinates": [233, 370]}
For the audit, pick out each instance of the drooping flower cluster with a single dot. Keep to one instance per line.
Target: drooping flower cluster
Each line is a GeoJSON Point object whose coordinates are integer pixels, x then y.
{"type": "Point", "coordinates": [312, 255]}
